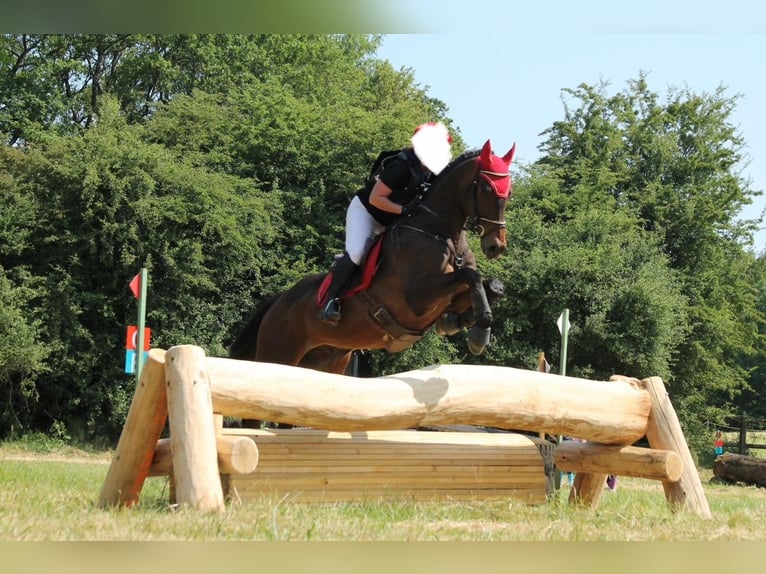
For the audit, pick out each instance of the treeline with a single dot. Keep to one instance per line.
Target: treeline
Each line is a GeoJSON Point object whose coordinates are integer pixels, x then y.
{"type": "Point", "coordinates": [224, 163]}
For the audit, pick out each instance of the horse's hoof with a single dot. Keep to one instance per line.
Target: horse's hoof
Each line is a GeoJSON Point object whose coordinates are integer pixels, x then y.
{"type": "Point", "coordinates": [494, 287]}
{"type": "Point", "coordinates": [478, 339]}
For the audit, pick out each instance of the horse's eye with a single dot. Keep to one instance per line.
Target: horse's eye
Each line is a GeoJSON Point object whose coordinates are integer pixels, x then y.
{"type": "Point", "coordinates": [486, 188]}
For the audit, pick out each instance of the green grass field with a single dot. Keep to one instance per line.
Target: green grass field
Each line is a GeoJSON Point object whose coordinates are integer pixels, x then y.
{"type": "Point", "coordinates": [52, 497]}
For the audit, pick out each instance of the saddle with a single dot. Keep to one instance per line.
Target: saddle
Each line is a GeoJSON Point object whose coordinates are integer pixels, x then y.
{"type": "Point", "coordinates": [398, 336]}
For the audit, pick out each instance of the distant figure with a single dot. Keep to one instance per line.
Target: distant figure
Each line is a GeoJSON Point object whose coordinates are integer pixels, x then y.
{"type": "Point", "coordinates": [718, 444]}
{"type": "Point", "coordinates": [611, 482]}
{"type": "Point", "coordinates": [570, 475]}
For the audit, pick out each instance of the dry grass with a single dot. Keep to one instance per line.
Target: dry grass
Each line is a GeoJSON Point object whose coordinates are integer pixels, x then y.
{"type": "Point", "coordinates": [53, 497]}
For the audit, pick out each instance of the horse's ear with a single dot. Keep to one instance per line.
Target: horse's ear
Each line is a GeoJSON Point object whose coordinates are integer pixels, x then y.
{"type": "Point", "coordinates": [508, 158]}
{"type": "Point", "coordinates": [486, 153]}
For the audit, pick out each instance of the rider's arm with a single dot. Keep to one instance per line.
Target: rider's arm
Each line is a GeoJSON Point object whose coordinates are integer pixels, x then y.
{"type": "Point", "coordinates": [379, 197]}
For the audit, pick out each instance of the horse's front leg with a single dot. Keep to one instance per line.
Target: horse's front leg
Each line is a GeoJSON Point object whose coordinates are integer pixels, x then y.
{"type": "Point", "coordinates": [460, 315]}
{"type": "Point", "coordinates": [478, 336]}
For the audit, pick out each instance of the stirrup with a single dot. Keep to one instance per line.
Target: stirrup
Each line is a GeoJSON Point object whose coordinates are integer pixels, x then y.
{"type": "Point", "coordinates": [330, 313]}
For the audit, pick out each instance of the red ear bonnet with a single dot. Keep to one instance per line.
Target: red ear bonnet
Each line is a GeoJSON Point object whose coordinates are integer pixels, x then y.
{"type": "Point", "coordinates": [496, 170]}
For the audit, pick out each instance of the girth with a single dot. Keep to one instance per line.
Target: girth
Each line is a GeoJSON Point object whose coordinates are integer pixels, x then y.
{"type": "Point", "coordinates": [397, 336]}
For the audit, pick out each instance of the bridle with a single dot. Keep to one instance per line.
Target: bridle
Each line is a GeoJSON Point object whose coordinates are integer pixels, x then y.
{"type": "Point", "coordinates": [477, 218]}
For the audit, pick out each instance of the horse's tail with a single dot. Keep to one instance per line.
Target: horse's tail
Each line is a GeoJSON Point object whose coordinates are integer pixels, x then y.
{"type": "Point", "coordinates": [244, 345]}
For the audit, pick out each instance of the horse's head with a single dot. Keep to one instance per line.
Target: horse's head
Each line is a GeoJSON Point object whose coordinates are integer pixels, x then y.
{"type": "Point", "coordinates": [492, 189]}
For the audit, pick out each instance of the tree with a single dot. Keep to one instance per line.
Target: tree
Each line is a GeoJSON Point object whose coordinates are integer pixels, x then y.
{"type": "Point", "coordinates": [215, 161]}
{"type": "Point", "coordinates": [22, 352]}
{"type": "Point", "coordinates": [673, 167]}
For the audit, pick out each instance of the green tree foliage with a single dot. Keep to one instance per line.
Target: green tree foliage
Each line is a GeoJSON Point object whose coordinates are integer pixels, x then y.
{"type": "Point", "coordinates": [113, 204]}
{"type": "Point", "coordinates": [22, 351]}
{"type": "Point", "coordinates": [672, 167]}
{"type": "Point", "coordinates": [221, 163]}
{"type": "Point", "coordinates": [626, 306]}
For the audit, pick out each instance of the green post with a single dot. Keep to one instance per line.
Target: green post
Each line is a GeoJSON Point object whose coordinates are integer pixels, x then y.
{"type": "Point", "coordinates": [141, 321]}
{"type": "Point", "coordinates": [563, 324]}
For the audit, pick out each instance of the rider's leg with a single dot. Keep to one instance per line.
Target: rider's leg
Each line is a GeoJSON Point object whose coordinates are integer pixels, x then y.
{"type": "Point", "coordinates": [360, 226]}
{"type": "Point", "coordinates": [342, 271]}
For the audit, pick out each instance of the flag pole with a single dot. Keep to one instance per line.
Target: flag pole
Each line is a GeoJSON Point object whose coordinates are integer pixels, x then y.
{"type": "Point", "coordinates": [144, 279]}
{"type": "Point", "coordinates": [564, 319]}
{"type": "Point", "coordinates": [563, 324]}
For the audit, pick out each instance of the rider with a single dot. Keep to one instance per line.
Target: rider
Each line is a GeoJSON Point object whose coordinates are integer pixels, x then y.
{"type": "Point", "coordinates": [383, 200]}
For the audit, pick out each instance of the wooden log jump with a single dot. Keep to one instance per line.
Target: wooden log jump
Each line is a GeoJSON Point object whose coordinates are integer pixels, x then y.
{"type": "Point", "coordinates": [609, 415]}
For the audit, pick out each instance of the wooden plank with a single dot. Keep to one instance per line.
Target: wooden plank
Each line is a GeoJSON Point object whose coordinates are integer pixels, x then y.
{"type": "Point", "coordinates": [407, 480]}
{"type": "Point", "coordinates": [334, 496]}
{"type": "Point", "coordinates": [375, 466]}
{"type": "Point", "coordinates": [401, 464]}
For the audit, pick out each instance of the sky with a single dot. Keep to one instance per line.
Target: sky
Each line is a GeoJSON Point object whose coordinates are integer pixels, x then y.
{"type": "Point", "coordinates": [500, 66]}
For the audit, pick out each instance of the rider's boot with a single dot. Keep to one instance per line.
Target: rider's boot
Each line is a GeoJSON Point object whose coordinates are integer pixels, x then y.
{"type": "Point", "coordinates": [342, 271]}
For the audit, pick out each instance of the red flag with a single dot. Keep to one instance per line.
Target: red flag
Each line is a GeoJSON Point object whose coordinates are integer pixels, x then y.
{"type": "Point", "coordinates": [135, 285]}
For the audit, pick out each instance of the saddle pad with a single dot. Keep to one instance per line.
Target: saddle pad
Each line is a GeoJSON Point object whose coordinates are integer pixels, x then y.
{"type": "Point", "coordinates": [361, 280]}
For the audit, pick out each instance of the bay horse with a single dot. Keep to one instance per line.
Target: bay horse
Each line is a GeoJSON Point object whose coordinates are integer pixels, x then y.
{"type": "Point", "coordinates": [426, 276]}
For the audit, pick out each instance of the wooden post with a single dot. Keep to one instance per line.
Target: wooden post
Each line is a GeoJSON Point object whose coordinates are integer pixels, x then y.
{"type": "Point", "coordinates": [192, 430]}
{"type": "Point", "coordinates": [743, 435]}
{"type": "Point", "coordinates": [665, 433]}
{"type": "Point", "coordinates": [143, 427]}
{"type": "Point", "coordinates": [541, 369]}
{"type": "Point", "coordinates": [587, 489]}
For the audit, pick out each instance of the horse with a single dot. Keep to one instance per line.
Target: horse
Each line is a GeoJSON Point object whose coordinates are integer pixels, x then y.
{"type": "Point", "coordinates": [426, 276]}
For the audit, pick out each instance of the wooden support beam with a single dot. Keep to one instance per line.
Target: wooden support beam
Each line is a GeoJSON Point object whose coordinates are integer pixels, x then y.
{"type": "Point", "coordinates": [588, 457]}
{"type": "Point", "coordinates": [143, 427]}
{"type": "Point", "coordinates": [664, 432]}
{"type": "Point", "coordinates": [502, 397]}
{"type": "Point", "coordinates": [236, 455]}
{"type": "Point", "coordinates": [192, 430]}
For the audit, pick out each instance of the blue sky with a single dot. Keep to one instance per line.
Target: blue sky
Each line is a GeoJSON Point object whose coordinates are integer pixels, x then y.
{"type": "Point", "coordinates": [501, 67]}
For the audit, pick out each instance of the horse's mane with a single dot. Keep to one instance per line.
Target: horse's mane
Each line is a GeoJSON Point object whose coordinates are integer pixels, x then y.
{"type": "Point", "coordinates": [466, 155]}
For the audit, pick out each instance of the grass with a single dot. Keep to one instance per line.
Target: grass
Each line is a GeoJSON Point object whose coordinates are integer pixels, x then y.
{"type": "Point", "coordinates": [52, 496]}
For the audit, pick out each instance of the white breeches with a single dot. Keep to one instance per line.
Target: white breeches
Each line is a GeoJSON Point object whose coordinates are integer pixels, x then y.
{"type": "Point", "coordinates": [361, 229]}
